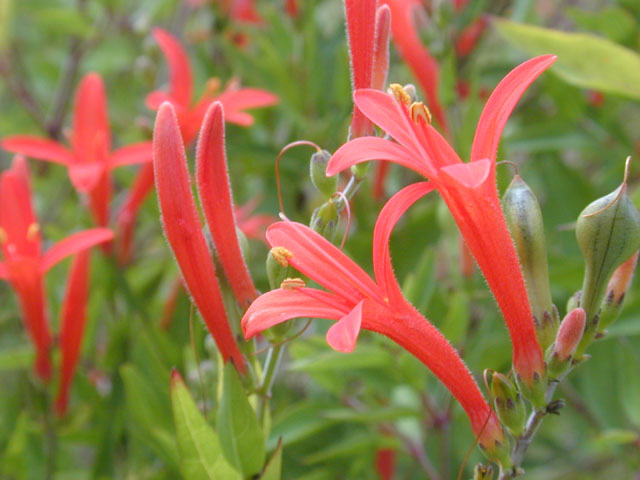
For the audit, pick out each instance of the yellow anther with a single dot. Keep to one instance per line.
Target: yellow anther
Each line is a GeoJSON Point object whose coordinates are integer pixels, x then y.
{"type": "Point", "coordinates": [419, 110]}
{"type": "Point", "coordinates": [281, 255]}
{"type": "Point", "coordinates": [3, 236]}
{"type": "Point", "coordinates": [32, 231]}
{"type": "Point", "coordinates": [399, 93]}
{"type": "Point", "coordinates": [292, 283]}
{"type": "Point", "coordinates": [212, 86]}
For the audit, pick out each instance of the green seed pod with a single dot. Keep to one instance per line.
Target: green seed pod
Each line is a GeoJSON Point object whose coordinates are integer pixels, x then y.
{"type": "Point", "coordinates": [317, 171]}
{"type": "Point", "coordinates": [508, 404]}
{"type": "Point", "coordinates": [324, 220]}
{"type": "Point", "coordinates": [524, 219]}
{"type": "Point", "coordinates": [608, 233]}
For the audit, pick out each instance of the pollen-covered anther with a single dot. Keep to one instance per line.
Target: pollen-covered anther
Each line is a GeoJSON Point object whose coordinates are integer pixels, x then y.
{"type": "Point", "coordinates": [3, 236]}
{"type": "Point", "coordinates": [399, 93]}
{"type": "Point", "coordinates": [281, 255]}
{"type": "Point", "coordinates": [292, 283]}
{"type": "Point", "coordinates": [32, 231]}
{"type": "Point", "coordinates": [419, 110]}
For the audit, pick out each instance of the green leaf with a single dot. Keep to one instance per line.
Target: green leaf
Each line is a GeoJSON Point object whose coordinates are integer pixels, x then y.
{"type": "Point", "coordinates": [240, 433]}
{"type": "Point", "coordinates": [65, 21]}
{"type": "Point", "coordinates": [584, 60]}
{"type": "Point", "coordinates": [364, 356]}
{"type": "Point", "coordinates": [200, 453]}
{"type": "Point", "coordinates": [16, 358]}
{"type": "Point", "coordinates": [149, 413]}
{"type": "Point", "coordinates": [615, 436]}
{"type": "Point", "coordinates": [629, 382]}
{"type": "Point", "coordinates": [273, 469]}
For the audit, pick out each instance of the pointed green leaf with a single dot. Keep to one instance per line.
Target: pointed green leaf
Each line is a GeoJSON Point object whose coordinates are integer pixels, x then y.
{"type": "Point", "coordinates": [200, 453]}
{"type": "Point", "coordinates": [240, 434]}
{"type": "Point", "coordinates": [273, 469]}
{"type": "Point", "coordinates": [584, 60]}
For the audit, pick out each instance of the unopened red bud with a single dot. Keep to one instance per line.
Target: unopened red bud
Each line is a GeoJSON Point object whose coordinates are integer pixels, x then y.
{"type": "Point", "coordinates": [567, 340]}
{"type": "Point", "coordinates": [616, 291]}
{"type": "Point", "coordinates": [570, 333]}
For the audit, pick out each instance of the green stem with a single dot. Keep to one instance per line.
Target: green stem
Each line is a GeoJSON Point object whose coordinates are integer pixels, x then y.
{"type": "Point", "coordinates": [270, 366]}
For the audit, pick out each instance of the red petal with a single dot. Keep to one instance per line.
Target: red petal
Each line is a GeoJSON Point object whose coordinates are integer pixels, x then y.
{"type": "Point", "coordinates": [469, 175]}
{"type": "Point", "coordinates": [240, 118]}
{"type": "Point", "coordinates": [39, 148]}
{"type": "Point", "coordinates": [244, 98]}
{"type": "Point", "coordinates": [131, 154]}
{"type": "Point", "coordinates": [389, 216]}
{"type": "Point", "coordinates": [381, 50]}
{"type": "Point", "coordinates": [126, 216]}
{"type": "Point", "coordinates": [4, 272]}
{"type": "Point", "coordinates": [99, 200]}
{"type": "Point", "coordinates": [364, 149]}
{"type": "Point", "coordinates": [74, 244]}
{"type": "Point", "coordinates": [184, 233]}
{"type": "Point", "coordinates": [501, 103]}
{"type": "Point", "coordinates": [343, 334]}
{"type": "Point", "coordinates": [383, 110]}
{"type": "Point", "coordinates": [91, 137]}
{"type": "Point", "coordinates": [180, 79]}
{"type": "Point", "coordinates": [280, 305]}
{"type": "Point", "coordinates": [322, 261]}
{"type": "Point", "coordinates": [72, 323]}
{"type": "Point", "coordinates": [214, 190]}
{"type": "Point", "coordinates": [157, 98]}
{"type": "Point", "coordinates": [361, 24]}
{"type": "Point", "coordinates": [17, 217]}
{"type": "Point", "coordinates": [86, 176]}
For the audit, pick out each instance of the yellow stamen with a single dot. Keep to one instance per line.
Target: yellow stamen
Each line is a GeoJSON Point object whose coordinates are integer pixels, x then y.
{"type": "Point", "coordinates": [212, 86]}
{"type": "Point", "coordinates": [3, 236]}
{"type": "Point", "coordinates": [32, 231]}
{"type": "Point", "coordinates": [292, 283]}
{"type": "Point", "coordinates": [419, 110]}
{"type": "Point", "coordinates": [281, 255]}
{"type": "Point", "coordinates": [399, 93]}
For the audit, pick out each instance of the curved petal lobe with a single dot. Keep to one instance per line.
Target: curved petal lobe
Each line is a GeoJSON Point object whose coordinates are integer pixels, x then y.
{"type": "Point", "coordinates": [180, 79]}
{"type": "Point", "coordinates": [502, 102]}
{"type": "Point", "coordinates": [39, 148]}
{"type": "Point", "coordinates": [131, 154]}
{"type": "Point", "coordinates": [74, 244]}
{"type": "Point", "coordinates": [343, 334]}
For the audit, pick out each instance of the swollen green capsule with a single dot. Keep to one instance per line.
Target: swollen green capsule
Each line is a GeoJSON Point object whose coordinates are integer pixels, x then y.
{"type": "Point", "coordinates": [509, 404]}
{"type": "Point", "coordinates": [324, 220]}
{"type": "Point", "coordinates": [524, 219]}
{"type": "Point", "coordinates": [317, 171]}
{"type": "Point", "coordinates": [608, 233]}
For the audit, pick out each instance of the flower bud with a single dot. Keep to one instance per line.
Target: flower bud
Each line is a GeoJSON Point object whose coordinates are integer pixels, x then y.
{"type": "Point", "coordinates": [567, 340]}
{"type": "Point", "coordinates": [574, 301]}
{"type": "Point", "coordinates": [508, 404]}
{"type": "Point", "coordinates": [317, 171]}
{"type": "Point", "coordinates": [324, 220]}
{"type": "Point", "coordinates": [524, 219]}
{"type": "Point", "coordinates": [616, 291]}
{"type": "Point", "coordinates": [483, 472]}
{"type": "Point", "coordinates": [608, 233]}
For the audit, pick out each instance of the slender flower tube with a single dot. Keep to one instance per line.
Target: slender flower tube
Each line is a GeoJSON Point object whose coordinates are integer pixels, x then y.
{"type": "Point", "coordinates": [73, 320]}
{"type": "Point", "coordinates": [423, 65]}
{"type": "Point", "coordinates": [469, 189]}
{"type": "Point", "coordinates": [24, 263]}
{"type": "Point", "coordinates": [214, 190]}
{"type": "Point", "coordinates": [90, 159]}
{"type": "Point", "coordinates": [356, 301]}
{"type": "Point", "coordinates": [234, 99]}
{"type": "Point", "coordinates": [184, 233]}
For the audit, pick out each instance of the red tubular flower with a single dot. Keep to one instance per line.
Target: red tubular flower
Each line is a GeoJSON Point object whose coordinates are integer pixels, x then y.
{"type": "Point", "coordinates": [424, 66]}
{"type": "Point", "coordinates": [90, 159]}
{"type": "Point", "coordinates": [73, 320]}
{"type": "Point", "coordinates": [214, 190]}
{"type": "Point", "coordinates": [356, 302]}
{"type": "Point", "coordinates": [468, 38]}
{"type": "Point", "coordinates": [24, 263]}
{"type": "Point", "coordinates": [292, 8]}
{"type": "Point", "coordinates": [385, 463]}
{"type": "Point", "coordinates": [184, 232]}
{"type": "Point", "coordinates": [469, 189]}
{"type": "Point", "coordinates": [234, 99]}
